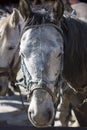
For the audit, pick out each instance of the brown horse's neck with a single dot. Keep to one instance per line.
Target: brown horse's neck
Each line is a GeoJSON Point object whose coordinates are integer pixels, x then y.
{"type": "Point", "coordinates": [75, 52]}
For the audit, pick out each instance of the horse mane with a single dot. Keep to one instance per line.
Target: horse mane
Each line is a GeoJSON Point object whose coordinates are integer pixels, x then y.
{"type": "Point", "coordinates": [37, 19]}
{"type": "Point", "coordinates": [75, 49]}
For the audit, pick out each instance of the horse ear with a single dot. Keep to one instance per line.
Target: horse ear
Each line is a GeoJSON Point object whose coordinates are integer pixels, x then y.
{"type": "Point", "coordinates": [24, 8]}
{"type": "Point", "coordinates": [15, 18]}
{"type": "Point", "coordinates": [58, 9]}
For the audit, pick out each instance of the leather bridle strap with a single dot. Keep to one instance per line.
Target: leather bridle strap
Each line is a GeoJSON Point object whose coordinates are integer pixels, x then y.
{"type": "Point", "coordinates": [42, 85]}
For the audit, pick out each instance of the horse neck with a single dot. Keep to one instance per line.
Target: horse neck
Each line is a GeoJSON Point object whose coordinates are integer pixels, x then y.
{"type": "Point", "coordinates": [75, 53]}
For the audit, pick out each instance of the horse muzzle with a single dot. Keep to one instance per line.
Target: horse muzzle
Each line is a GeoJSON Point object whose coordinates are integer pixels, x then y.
{"type": "Point", "coordinates": [41, 119]}
{"type": "Point", "coordinates": [41, 111]}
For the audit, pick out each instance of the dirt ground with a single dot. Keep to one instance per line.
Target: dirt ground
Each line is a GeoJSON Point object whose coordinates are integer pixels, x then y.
{"type": "Point", "coordinates": [12, 112]}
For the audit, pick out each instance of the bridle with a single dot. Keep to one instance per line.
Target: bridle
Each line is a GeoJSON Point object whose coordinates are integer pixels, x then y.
{"type": "Point", "coordinates": [41, 84]}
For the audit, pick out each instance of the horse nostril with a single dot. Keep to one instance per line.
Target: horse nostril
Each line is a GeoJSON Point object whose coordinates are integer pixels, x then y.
{"type": "Point", "coordinates": [31, 113]}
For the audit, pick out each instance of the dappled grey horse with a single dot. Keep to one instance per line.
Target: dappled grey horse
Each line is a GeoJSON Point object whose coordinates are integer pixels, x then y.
{"type": "Point", "coordinates": [53, 52]}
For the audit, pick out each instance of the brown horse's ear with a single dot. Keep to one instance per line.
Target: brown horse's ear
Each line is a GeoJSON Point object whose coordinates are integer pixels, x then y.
{"type": "Point", "coordinates": [58, 9]}
{"type": "Point", "coordinates": [24, 8]}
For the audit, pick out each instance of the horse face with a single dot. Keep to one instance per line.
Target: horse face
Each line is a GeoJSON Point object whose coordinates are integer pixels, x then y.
{"type": "Point", "coordinates": [41, 50]}
{"type": "Point", "coordinates": [9, 37]}
{"type": "Point", "coordinates": [8, 47]}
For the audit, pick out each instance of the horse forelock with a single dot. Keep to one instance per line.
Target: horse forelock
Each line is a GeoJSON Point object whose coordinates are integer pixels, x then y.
{"type": "Point", "coordinates": [38, 19]}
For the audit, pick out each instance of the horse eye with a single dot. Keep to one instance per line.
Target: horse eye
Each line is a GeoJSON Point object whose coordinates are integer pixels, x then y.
{"type": "Point", "coordinates": [23, 38]}
{"type": "Point", "coordinates": [10, 48]}
{"type": "Point", "coordinates": [22, 55]}
{"type": "Point", "coordinates": [59, 55]}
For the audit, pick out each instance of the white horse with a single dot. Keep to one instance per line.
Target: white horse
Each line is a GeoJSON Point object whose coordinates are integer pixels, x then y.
{"type": "Point", "coordinates": [10, 27]}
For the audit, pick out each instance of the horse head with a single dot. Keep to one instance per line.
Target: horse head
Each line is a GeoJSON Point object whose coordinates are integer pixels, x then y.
{"type": "Point", "coordinates": [9, 35]}
{"type": "Point", "coordinates": [41, 50]}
